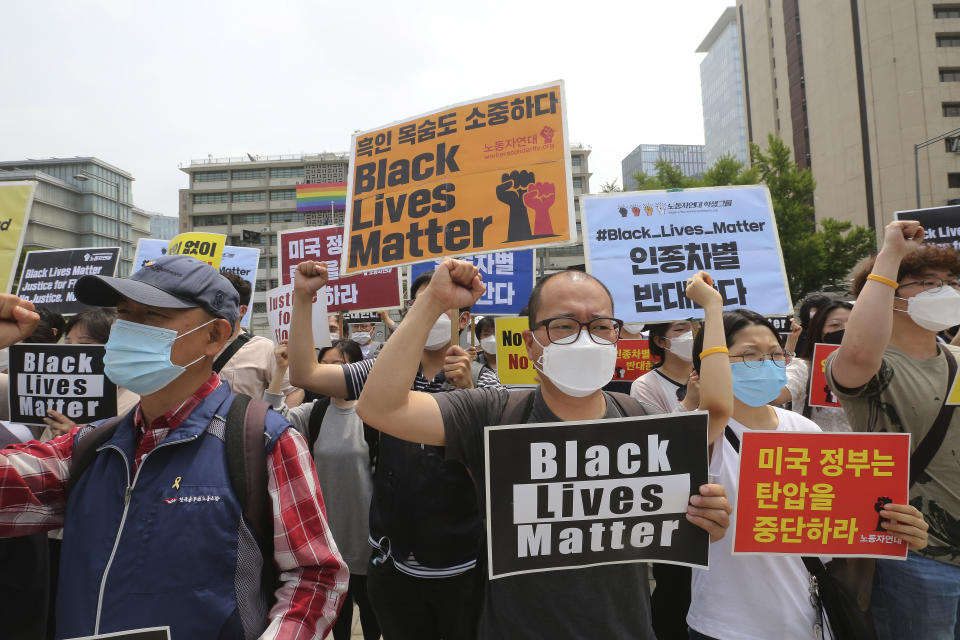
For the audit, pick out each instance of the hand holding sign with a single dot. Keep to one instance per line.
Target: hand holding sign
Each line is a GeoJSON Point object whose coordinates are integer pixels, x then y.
{"type": "Point", "coordinates": [311, 276]}
{"type": "Point", "coordinates": [456, 368]}
{"type": "Point", "coordinates": [907, 523]}
{"type": "Point", "coordinates": [455, 284]}
{"type": "Point", "coordinates": [17, 319]}
{"type": "Point", "coordinates": [710, 510]}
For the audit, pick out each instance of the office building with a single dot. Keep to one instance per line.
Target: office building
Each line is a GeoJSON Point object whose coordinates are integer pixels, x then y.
{"type": "Point", "coordinates": [255, 194]}
{"type": "Point", "coordinates": [163, 227]}
{"type": "Point", "coordinates": [552, 259]}
{"type": "Point", "coordinates": [853, 87]}
{"type": "Point", "coordinates": [689, 158]}
{"type": "Point", "coordinates": [80, 202]}
{"type": "Point", "coordinates": [721, 89]}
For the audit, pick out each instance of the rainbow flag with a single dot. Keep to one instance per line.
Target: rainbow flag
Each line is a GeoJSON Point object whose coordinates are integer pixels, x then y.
{"type": "Point", "coordinates": [321, 197]}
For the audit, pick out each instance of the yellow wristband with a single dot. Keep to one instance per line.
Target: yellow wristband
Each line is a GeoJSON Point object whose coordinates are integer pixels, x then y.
{"type": "Point", "coordinates": [713, 350]}
{"type": "Point", "coordinates": [893, 284]}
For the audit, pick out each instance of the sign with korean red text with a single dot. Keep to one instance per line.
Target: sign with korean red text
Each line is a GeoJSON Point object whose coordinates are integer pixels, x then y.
{"type": "Point", "coordinates": [633, 359]}
{"type": "Point", "coordinates": [644, 246]}
{"type": "Point", "coordinates": [820, 394]}
{"type": "Point", "coordinates": [280, 313]}
{"type": "Point", "coordinates": [820, 493]}
{"type": "Point", "coordinates": [481, 176]}
{"type": "Point", "coordinates": [377, 289]}
{"type": "Point", "coordinates": [566, 495]}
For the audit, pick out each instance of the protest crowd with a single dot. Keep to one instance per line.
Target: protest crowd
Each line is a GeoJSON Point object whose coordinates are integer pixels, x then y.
{"type": "Point", "coordinates": [657, 446]}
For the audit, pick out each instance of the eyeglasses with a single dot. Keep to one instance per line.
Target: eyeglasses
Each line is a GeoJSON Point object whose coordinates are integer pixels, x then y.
{"type": "Point", "coordinates": [755, 360]}
{"type": "Point", "coordinates": [567, 330]}
{"type": "Point", "coordinates": [834, 324]}
{"type": "Point", "coordinates": [931, 284]}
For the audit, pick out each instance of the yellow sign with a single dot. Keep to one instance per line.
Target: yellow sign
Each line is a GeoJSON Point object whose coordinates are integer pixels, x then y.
{"type": "Point", "coordinates": [206, 247]}
{"type": "Point", "coordinates": [16, 199]}
{"type": "Point", "coordinates": [484, 176]}
{"type": "Point", "coordinates": [513, 364]}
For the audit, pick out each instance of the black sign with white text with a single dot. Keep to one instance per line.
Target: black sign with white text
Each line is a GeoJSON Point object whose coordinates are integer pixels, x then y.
{"type": "Point", "coordinates": [941, 225]}
{"type": "Point", "coordinates": [49, 277]}
{"type": "Point", "coordinates": [574, 494]}
{"type": "Point", "coordinates": [153, 633]}
{"type": "Point", "coordinates": [67, 378]}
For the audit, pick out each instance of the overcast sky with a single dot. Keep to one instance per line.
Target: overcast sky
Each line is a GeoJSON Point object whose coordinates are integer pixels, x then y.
{"type": "Point", "coordinates": [147, 86]}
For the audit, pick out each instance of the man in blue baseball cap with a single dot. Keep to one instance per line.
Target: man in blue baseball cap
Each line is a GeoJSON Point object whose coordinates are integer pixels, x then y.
{"type": "Point", "coordinates": [165, 523]}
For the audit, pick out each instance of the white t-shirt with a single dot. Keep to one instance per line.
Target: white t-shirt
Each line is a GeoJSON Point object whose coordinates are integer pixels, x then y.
{"type": "Point", "coordinates": [656, 389]}
{"type": "Point", "coordinates": [748, 597]}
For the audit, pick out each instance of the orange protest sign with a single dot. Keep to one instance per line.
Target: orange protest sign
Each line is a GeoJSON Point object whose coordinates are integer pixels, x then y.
{"type": "Point", "coordinates": [820, 394]}
{"type": "Point", "coordinates": [633, 359]}
{"type": "Point", "coordinates": [483, 176]}
{"type": "Point", "coordinates": [820, 494]}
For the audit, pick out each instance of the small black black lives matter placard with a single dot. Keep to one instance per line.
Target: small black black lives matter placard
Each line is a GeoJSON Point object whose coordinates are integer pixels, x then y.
{"type": "Point", "coordinates": [49, 277]}
{"type": "Point", "coordinates": [67, 378]}
{"type": "Point", "coordinates": [941, 224]}
{"type": "Point", "coordinates": [153, 633]}
{"type": "Point", "coordinates": [573, 494]}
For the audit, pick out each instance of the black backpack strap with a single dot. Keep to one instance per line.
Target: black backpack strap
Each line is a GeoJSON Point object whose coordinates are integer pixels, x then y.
{"type": "Point", "coordinates": [372, 436]}
{"type": "Point", "coordinates": [931, 442]}
{"type": "Point", "coordinates": [229, 352]}
{"type": "Point", "coordinates": [315, 421]}
{"type": "Point", "coordinates": [628, 405]}
{"type": "Point", "coordinates": [85, 447]}
{"type": "Point", "coordinates": [814, 565]}
{"type": "Point", "coordinates": [732, 438]}
{"type": "Point", "coordinates": [519, 406]}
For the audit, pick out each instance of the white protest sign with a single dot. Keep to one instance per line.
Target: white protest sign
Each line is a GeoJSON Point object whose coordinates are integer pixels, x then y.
{"type": "Point", "coordinates": [242, 261]}
{"type": "Point", "coordinates": [280, 311]}
{"type": "Point", "coordinates": [644, 245]}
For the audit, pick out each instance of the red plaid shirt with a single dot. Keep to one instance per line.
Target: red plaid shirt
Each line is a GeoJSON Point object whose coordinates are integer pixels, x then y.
{"type": "Point", "coordinates": [313, 576]}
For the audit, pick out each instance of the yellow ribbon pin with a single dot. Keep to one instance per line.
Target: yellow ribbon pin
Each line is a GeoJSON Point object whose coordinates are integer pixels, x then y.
{"type": "Point", "coordinates": [176, 483]}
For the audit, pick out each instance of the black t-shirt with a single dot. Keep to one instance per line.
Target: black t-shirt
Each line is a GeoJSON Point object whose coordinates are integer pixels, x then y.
{"type": "Point", "coordinates": [610, 601]}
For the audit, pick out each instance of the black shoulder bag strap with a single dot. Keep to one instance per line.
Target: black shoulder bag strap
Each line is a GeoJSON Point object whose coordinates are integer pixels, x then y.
{"type": "Point", "coordinates": [229, 352]}
{"type": "Point", "coordinates": [315, 421]}
{"type": "Point", "coordinates": [245, 443]}
{"type": "Point", "coordinates": [519, 406]}
{"type": "Point", "coordinates": [85, 449]}
{"type": "Point", "coordinates": [628, 405]}
{"type": "Point", "coordinates": [931, 442]}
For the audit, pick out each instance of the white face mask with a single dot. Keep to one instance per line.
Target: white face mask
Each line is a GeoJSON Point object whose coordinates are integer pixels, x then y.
{"type": "Point", "coordinates": [334, 335]}
{"type": "Point", "coordinates": [579, 368]}
{"type": "Point", "coordinates": [633, 327]}
{"type": "Point", "coordinates": [682, 346]}
{"type": "Point", "coordinates": [935, 310]}
{"type": "Point", "coordinates": [489, 345]}
{"type": "Point", "coordinates": [360, 337]}
{"type": "Point", "coordinates": [439, 334]}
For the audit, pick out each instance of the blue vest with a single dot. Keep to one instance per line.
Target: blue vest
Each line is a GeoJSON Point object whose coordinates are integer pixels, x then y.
{"type": "Point", "coordinates": [168, 547]}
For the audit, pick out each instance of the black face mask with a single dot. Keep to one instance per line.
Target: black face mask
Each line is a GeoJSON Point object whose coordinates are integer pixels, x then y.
{"type": "Point", "coordinates": [834, 337]}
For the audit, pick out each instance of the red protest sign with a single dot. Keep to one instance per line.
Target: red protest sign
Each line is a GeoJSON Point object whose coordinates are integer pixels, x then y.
{"type": "Point", "coordinates": [819, 394]}
{"type": "Point", "coordinates": [820, 493]}
{"type": "Point", "coordinates": [633, 359]}
{"type": "Point", "coordinates": [377, 289]}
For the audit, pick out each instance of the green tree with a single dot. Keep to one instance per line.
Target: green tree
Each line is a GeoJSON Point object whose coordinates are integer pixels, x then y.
{"type": "Point", "coordinates": [818, 256]}
{"type": "Point", "coordinates": [817, 259]}
{"type": "Point", "coordinates": [610, 187]}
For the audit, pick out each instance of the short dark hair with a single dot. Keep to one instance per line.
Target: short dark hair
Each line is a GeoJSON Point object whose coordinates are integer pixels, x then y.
{"type": "Point", "coordinates": [96, 320]}
{"type": "Point", "coordinates": [942, 257]}
{"type": "Point", "coordinates": [815, 329]}
{"type": "Point", "coordinates": [733, 321]}
{"type": "Point", "coordinates": [812, 301]}
{"type": "Point", "coordinates": [421, 281]}
{"type": "Point", "coordinates": [533, 304]}
{"type": "Point", "coordinates": [242, 286]}
{"type": "Point", "coordinates": [484, 323]}
{"type": "Point", "coordinates": [348, 348]}
{"type": "Point", "coordinates": [50, 329]}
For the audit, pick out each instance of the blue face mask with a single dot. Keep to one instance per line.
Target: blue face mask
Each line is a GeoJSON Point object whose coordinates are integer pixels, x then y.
{"type": "Point", "coordinates": [138, 356]}
{"type": "Point", "coordinates": [757, 386]}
